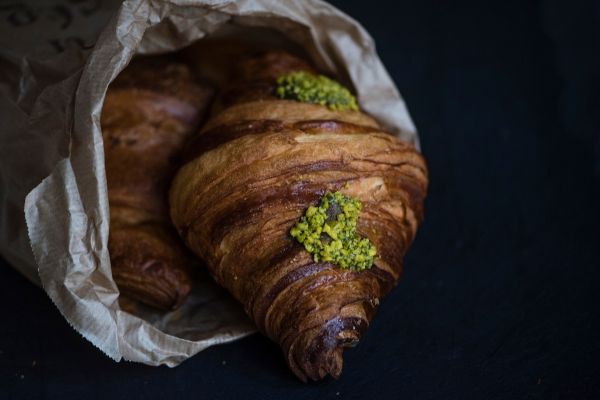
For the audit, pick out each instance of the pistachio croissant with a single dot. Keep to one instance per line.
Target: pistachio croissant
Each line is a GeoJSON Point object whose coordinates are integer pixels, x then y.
{"type": "Point", "coordinates": [149, 110]}
{"type": "Point", "coordinates": [283, 147]}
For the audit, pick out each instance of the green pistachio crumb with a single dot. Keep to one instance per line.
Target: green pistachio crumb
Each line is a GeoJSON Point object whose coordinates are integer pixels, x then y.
{"type": "Point", "coordinates": [331, 237]}
{"type": "Point", "coordinates": [317, 89]}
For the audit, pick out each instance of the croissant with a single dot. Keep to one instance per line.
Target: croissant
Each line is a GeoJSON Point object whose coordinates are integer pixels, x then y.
{"type": "Point", "coordinates": [149, 111]}
{"type": "Point", "coordinates": [275, 155]}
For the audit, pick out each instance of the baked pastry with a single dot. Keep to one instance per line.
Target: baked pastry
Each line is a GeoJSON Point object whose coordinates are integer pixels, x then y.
{"type": "Point", "coordinates": [149, 111]}
{"type": "Point", "coordinates": [301, 205]}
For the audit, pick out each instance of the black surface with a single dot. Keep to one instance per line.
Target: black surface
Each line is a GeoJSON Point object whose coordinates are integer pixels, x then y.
{"type": "Point", "coordinates": [500, 298]}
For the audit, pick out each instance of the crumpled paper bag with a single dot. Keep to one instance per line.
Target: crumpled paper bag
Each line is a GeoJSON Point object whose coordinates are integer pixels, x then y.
{"type": "Point", "coordinates": [53, 199]}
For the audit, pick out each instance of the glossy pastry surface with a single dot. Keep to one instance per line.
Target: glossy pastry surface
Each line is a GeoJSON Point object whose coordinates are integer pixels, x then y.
{"type": "Point", "coordinates": [254, 169]}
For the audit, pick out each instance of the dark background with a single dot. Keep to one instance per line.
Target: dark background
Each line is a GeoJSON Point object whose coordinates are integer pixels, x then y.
{"type": "Point", "coordinates": [501, 294]}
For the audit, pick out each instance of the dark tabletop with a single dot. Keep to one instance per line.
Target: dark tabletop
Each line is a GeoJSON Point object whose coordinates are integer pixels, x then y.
{"type": "Point", "coordinates": [500, 298]}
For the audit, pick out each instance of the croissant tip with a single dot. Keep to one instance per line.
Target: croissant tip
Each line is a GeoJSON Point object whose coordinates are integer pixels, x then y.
{"type": "Point", "coordinates": [328, 364]}
{"type": "Point", "coordinates": [316, 354]}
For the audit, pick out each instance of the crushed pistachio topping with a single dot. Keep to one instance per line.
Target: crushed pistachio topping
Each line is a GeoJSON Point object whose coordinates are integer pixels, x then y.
{"type": "Point", "coordinates": [318, 89]}
{"type": "Point", "coordinates": [328, 232]}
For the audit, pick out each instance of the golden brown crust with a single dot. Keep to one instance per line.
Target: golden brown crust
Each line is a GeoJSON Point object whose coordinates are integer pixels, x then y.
{"type": "Point", "coordinates": [149, 264]}
{"type": "Point", "coordinates": [148, 113]}
{"type": "Point", "coordinates": [252, 171]}
{"type": "Point", "coordinates": [255, 79]}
